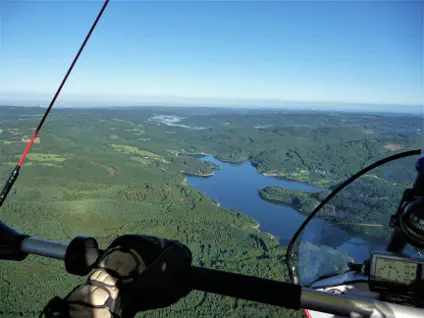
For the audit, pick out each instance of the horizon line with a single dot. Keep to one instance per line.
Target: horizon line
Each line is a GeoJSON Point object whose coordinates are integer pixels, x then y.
{"type": "Point", "coordinates": [142, 100]}
{"type": "Point", "coordinates": [239, 107]}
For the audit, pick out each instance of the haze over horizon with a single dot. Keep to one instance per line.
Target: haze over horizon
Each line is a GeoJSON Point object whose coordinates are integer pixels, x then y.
{"type": "Point", "coordinates": [239, 54]}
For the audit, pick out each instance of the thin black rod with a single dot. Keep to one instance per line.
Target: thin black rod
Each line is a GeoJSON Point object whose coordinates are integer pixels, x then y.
{"type": "Point", "coordinates": [15, 173]}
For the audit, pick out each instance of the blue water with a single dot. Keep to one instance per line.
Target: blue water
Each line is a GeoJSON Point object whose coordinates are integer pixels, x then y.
{"type": "Point", "coordinates": [236, 186]}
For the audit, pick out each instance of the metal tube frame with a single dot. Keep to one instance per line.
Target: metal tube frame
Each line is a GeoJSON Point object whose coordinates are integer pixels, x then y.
{"type": "Point", "coordinates": [351, 306]}
{"type": "Point", "coordinates": [44, 248]}
{"type": "Point", "coordinates": [342, 305]}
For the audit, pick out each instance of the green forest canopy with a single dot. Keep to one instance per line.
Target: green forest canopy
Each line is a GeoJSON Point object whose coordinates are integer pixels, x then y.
{"type": "Point", "coordinates": [107, 172]}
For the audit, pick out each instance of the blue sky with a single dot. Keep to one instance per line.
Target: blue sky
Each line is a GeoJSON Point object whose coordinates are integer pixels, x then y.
{"type": "Point", "coordinates": [215, 53]}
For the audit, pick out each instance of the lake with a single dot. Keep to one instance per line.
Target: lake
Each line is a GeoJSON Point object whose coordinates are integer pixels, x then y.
{"type": "Point", "coordinates": [237, 185]}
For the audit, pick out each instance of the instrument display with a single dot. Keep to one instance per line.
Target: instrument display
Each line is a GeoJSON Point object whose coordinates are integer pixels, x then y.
{"type": "Point", "coordinates": [396, 271]}
{"type": "Point", "coordinates": [393, 272]}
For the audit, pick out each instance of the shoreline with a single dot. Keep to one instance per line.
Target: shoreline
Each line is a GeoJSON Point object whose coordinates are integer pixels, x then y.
{"type": "Point", "coordinates": [230, 161]}
{"type": "Point", "coordinates": [265, 174]}
{"type": "Point", "coordinates": [288, 205]}
{"type": "Point", "coordinates": [194, 154]}
{"type": "Point", "coordinates": [274, 175]}
{"type": "Point", "coordinates": [270, 235]}
{"type": "Point", "coordinates": [203, 175]}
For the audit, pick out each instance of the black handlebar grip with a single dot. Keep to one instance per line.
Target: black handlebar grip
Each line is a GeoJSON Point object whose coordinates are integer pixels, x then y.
{"type": "Point", "coordinates": [82, 255]}
{"type": "Point", "coordinates": [246, 287]}
{"type": "Point", "coordinates": [6, 189]}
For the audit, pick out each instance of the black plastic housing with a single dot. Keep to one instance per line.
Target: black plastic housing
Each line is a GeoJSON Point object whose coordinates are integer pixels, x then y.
{"type": "Point", "coordinates": [10, 243]}
{"type": "Point", "coordinates": [81, 255]}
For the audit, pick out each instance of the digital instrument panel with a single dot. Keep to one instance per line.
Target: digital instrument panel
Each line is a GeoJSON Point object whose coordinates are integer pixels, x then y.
{"type": "Point", "coordinates": [391, 271]}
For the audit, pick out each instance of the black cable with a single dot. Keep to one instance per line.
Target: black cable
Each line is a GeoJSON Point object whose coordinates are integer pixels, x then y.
{"type": "Point", "coordinates": [332, 194]}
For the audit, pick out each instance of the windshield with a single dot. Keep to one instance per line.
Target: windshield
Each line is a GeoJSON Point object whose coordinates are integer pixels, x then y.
{"type": "Point", "coordinates": [352, 224]}
{"type": "Point", "coordinates": [220, 124]}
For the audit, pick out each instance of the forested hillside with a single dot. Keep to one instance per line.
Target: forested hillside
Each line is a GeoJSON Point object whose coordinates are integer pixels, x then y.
{"type": "Point", "coordinates": [111, 171]}
{"type": "Point", "coordinates": [364, 207]}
